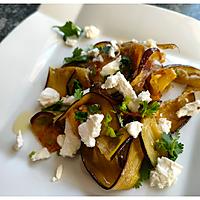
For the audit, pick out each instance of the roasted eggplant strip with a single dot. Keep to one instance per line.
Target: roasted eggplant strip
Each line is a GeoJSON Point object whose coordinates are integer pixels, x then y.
{"type": "Point", "coordinates": [130, 173]}
{"type": "Point", "coordinates": [58, 78]}
{"type": "Point", "coordinates": [120, 173]}
{"type": "Point", "coordinates": [150, 134]}
{"type": "Point", "coordinates": [167, 46]}
{"type": "Point", "coordinates": [145, 68]}
{"type": "Point", "coordinates": [107, 145]}
{"type": "Point", "coordinates": [134, 51]}
{"type": "Point", "coordinates": [186, 75]}
{"type": "Point", "coordinates": [159, 81]}
{"type": "Point", "coordinates": [169, 108]}
{"type": "Point", "coordinates": [46, 131]}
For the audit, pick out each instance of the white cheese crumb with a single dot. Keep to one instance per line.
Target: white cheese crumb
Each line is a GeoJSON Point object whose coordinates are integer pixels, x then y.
{"type": "Point", "coordinates": [99, 58]}
{"type": "Point", "coordinates": [90, 129]}
{"type": "Point", "coordinates": [119, 82]}
{"type": "Point", "coordinates": [86, 91]}
{"type": "Point", "coordinates": [165, 125]}
{"type": "Point", "coordinates": [111, 67]}
{"type": "Point", "coordinates": [150, 43]}
{"type": "Point", "coordinates": [93, 52]}
{"type": "Point", "coordinates": [165, 174]}
{"type": "Point", "coordinates": [111, 52]}
{"type": "Point", "coordinates": [189, 109]}
{"type": "Point", "coordinates": [58, 175]}
{"type": "Point", "coordinates": [71, 143]}
{"type": "Point", "coordinates": [19, 141]}
{"type": "Point", "coordinates": [60, 139]}
{"type": "Point", "coordinates": [197, 95]}
{"type": "Point", "coordinates": [68, 100]}
{"type": "Point", "coordinates": [40, 155]}
{"type": "Point", "coordinates": [145, 96]}
{"type": "Point", "coordinates": [71, 42]}
{"type": "Point", "coordinates": [91, 31]}
{"type": "Point", "coordinates": [48, 97]}
{"type": "Point", "coordinates": [134, 40]}
{"type": "Point", "coordinates": [134, 128]}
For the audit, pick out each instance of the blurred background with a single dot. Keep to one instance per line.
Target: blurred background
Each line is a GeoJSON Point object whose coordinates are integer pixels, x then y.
{"type": "Point", "coordinates": [12, 14]}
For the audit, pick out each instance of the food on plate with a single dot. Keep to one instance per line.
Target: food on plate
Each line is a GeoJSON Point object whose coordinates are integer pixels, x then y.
{"type": "Point", "coordinates": [105, 102]}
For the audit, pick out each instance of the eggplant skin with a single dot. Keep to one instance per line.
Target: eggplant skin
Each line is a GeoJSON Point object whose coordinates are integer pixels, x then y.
{"type": "Point", "coordinates": [45, 130]}
{"type": "Point", "coordinates": [169, 108]}
{"type": "Point", "coordinates": [118, 174]}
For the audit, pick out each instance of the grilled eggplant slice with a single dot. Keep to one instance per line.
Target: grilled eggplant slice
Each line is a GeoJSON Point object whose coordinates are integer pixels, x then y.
{"type": "Point", "coordinates": [169, 108]}
{"type": "Point", "coordinates": [186, 75]}
{"type": "Point", "coordinates": [58, 78]}
{"type": "Point", "coordinates": [159, 81]}
{"type": "Point", "coordinates": [46, 131]}
{"type": "Point", "coordinates": [150, 134]}
{"type": "Point", "coordinates": [145, 68]}
{"type": "Point", "coordinates": [120, 173]}
{"type": "Point", "coordinates": [108, 146]}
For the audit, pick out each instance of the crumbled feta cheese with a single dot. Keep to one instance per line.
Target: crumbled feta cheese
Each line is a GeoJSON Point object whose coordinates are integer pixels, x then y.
{"type": "Point", "coordinates": [68, 100]}
{"type": "Point", "coordinates": [90, 129]}
{"type": "Point", "coordinates": [71, 142]}
{"type": "Point", "coordinates": [119, 82]}
{"type": "Point", "coordinates": [189, 109]}
{"type": "Point", "coordinates": [40, 155]}
{"type": "Point", "coordinates": [197, 95]}
{"type": "Point", "coordinates": [58, 175]}
{"type": "Point", "coordinates": [165, 173]}
{"type": "Point", "coordinates": [48, 97]}
{"type": "Point", "coordinates": [111, 67]}
{"type": "Point", "coordinates": [150, 43]}
{"type": "Point", "coordinates": [91, 31]}
{"type": "Point", "coordinates": [111, 52]}
{"type": "Point", "coordinates": [114, 45]}
{"type": "Point", "coordinates": [165, 125]}
{"type": "Point", "coordinates": [134, 128]}
{"type": "Point", "coordinates": [86, 91]}
{"type": "Point", "coordinates": [61, 139]}
{"type": "Point", "coordinates": [99, 58]}
{"type": "Point", "coordinates": [145, 96]}
{"type": "Point", "coordinates": [93, 52]}
{"type": "Point", "coordinates": [134, 40]}
{"type": "Point", "coordinates": [71, 42]}
{"type": "Point", "coordinates": [19, 141]}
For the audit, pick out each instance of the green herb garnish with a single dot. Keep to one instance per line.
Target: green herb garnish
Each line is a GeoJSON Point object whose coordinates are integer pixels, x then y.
{"type": "Point", "coordinates": [125, 67]}
{"type": "Point", "coordinates": [110, 131]}
{"type": "Point", "coordinates": [81, 116]}
{"type": "Point", "coordinates": [31, 154]}
{"type": "Point", "coordinates": [59, 106]}
{"type": "Point", "coordinates": [147, 110]}
{"type": "Point", "coordinates": [145, 170]}
{"type": "Point", "coordinates": [76, 57]}
{"type": "Point", "coordinates": [78, 92]}
{"type": "Point", "coordinates": [69, 29]}
{"type": "Point", "coordinates": [168, 144]}
{"type": "Point", "coordinates": [94, 108]}
{"type": "Point", "coordinates": [124, 106]}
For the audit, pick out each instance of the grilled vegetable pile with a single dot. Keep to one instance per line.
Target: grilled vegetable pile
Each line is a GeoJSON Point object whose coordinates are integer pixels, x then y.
{"type": "Point", "coordinates": [105, 102]}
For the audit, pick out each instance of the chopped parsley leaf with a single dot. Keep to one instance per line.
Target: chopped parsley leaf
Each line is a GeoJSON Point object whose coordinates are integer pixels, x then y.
{"type": "Point", "coordinates": [124, 106]}
{"type": "Point", "coordinates": [70, 29]}
{"type": "Point", "coordinates": [94, 108]}
{"type": "Point", "coordinates": [76, 57]}
{"type": "Point", "coordinates": [168, 144]}
{"type": "Point", "coordinates": [147, 110]}
{"type": "Point", "coordinates": [59, 106]}
{"type": "Point", "coordinates": [110, 131]}
{"type": "Point", "coordinates": [145, 170]}
{"type": "Point", "coordinates": [81, 116]}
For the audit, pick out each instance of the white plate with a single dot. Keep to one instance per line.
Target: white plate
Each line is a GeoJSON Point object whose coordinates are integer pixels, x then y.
{"type": "Point", "coordinates": [32, 47]}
